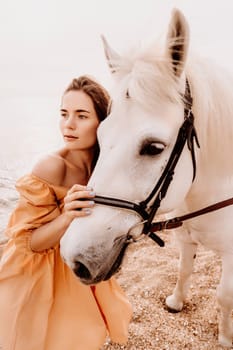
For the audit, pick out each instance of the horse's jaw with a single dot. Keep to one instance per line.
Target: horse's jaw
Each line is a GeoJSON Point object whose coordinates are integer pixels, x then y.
{"type": "Point", "coordinates": [88, 253]}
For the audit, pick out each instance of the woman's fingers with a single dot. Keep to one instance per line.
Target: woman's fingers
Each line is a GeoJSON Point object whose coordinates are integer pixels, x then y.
{"type": "Point", "coordinates": [80, 213]}
{"type": "Point", "coordinates": [79, 188]}
{"type": "Point", "coordinates": [78, 204]}
{"type": "Point", "coordinates": [79, 201]}
{"type": "Point", "coordinates": [78, 209]}
{"type": "Point", "coordinates": [72, 214]}
{"type": "Point", "coordinates": [77, 195]}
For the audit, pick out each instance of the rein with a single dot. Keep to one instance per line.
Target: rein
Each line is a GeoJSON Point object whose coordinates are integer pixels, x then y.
{"type": "Point", "coordinates": [178, 221]}
{"type": "Point", "coordinates": [148, 208]}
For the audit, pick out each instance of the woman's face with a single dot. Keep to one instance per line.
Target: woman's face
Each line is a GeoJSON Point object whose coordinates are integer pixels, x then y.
{"type": "Point", "coordinates": [79, 120]}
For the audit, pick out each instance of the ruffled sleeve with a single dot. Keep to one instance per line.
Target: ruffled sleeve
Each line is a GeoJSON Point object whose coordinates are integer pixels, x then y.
{"type": "Point", "coordinates": [37, 205]}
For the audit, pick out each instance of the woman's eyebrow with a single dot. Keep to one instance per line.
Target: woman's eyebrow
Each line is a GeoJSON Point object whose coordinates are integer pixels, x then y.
{"type": "Point", "coordinates": [82, 110]}
{"type": "Point", "coordinates": [77, 110]}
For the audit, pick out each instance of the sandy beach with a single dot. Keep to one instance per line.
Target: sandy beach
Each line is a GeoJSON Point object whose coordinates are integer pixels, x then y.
{"type": "Point", "coordinates": [148, 275]}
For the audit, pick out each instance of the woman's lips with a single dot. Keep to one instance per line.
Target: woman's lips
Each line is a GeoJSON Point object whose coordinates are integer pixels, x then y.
{"type": "Point", "coordinates": [70, 138]}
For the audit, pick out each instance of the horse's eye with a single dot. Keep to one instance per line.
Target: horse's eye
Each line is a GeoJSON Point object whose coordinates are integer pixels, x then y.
{"type": "Point", "coordinates": [152, 148]}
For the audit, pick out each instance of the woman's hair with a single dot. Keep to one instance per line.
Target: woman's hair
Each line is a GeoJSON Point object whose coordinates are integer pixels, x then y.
{"type": "Point", "coordinates": [99, 97]}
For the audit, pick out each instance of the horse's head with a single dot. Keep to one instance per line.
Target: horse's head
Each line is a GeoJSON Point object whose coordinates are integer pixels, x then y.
{"type": "Point", "coordinates": [136, 141]}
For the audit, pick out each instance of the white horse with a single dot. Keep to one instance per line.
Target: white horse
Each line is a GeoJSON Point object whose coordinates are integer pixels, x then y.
{"type": "Point", "coordinates": [150, 103]}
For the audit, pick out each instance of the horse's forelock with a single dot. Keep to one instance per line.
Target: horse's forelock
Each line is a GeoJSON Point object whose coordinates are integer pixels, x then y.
{"type": "Point", "coordinates": [148, 78]}
{"type": "Point", "coordinates": [152, 83]}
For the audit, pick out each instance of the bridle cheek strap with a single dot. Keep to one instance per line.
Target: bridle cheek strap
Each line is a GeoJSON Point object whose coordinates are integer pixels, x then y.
{"type": "Point", "coordinates": [187, 134]}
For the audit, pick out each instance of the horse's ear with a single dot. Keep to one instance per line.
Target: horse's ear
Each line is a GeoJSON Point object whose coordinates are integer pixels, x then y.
{"type": "Point", "coordinates": [177, 42]}
{"type": "Point", "coordinates": [111, 55]}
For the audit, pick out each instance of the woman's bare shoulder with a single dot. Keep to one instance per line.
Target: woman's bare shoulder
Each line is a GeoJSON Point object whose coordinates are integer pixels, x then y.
{"type": "Point", "coordinates": [50, 168]}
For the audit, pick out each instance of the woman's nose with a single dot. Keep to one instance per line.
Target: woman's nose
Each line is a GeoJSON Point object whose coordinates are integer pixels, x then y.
{"type": "Point", "coordinates": [70, 122]}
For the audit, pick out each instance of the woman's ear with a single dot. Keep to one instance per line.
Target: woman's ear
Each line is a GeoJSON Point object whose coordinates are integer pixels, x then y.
{"type": "Point", "coordinates": [177, 42]}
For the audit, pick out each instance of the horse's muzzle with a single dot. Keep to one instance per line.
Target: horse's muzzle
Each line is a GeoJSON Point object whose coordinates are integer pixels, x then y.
{"type": "Point", "coordinates": [93, 272]}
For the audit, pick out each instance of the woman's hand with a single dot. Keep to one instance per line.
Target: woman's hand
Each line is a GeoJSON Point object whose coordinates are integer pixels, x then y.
{"type": "Point", "coordinates": [49, 234]}
{"type": "Point", "coordinates": [74, 205]}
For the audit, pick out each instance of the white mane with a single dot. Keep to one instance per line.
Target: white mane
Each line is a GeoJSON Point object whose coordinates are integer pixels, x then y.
{"type": "Point", "coordinates": [212, 106]}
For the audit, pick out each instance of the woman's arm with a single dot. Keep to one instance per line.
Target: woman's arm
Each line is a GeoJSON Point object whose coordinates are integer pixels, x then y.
{"type": "Point", "coordinates": [49, 235]}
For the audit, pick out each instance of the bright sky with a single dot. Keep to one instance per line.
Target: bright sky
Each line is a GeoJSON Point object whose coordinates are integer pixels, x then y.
{"type": "Point", "coordinates": [45, 43]}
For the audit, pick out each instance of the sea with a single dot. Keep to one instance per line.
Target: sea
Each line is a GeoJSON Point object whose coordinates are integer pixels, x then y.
{"type": "Point", "coordinates": [29, 128]}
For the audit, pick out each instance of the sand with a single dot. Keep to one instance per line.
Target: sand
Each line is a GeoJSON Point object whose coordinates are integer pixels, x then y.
{"type": "Point", "coordinates": [148, 276]}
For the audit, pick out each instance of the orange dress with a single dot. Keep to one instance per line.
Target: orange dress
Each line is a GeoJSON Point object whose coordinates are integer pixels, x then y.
{"type": "Point", "coordinates": [43, 306]}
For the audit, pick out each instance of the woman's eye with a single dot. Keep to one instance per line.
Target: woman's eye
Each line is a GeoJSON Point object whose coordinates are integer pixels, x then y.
{"type": "Point", "coordinates": [152, 148]}
{"type": "Point", "coordinates": [81, 116]}
{"type": "Point", "coordinates": [64, 115]}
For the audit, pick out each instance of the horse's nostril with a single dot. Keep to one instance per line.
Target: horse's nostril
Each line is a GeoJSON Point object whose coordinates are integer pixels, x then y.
{"type": "Point", "coordinates": [82, 271]}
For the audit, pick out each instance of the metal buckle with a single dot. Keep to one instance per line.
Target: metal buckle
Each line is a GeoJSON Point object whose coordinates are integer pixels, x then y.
{"type": "Point", "coordinates": [134, 238]}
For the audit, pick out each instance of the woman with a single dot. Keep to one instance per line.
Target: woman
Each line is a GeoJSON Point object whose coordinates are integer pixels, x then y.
{"type": "Point", "coordinates": [43, 306]}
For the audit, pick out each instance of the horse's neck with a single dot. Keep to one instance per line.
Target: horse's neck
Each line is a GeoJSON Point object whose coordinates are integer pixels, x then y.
{"type": "Point", "coordinates": [206, 191]}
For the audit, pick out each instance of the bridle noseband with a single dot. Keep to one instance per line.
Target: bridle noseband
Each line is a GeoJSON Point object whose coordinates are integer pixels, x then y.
{"type": "Point", "coordinates": [148, 208]}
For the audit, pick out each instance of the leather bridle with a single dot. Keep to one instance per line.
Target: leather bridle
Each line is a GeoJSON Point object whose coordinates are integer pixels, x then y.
{"type": "Point", "coordinates": [148, 208]}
